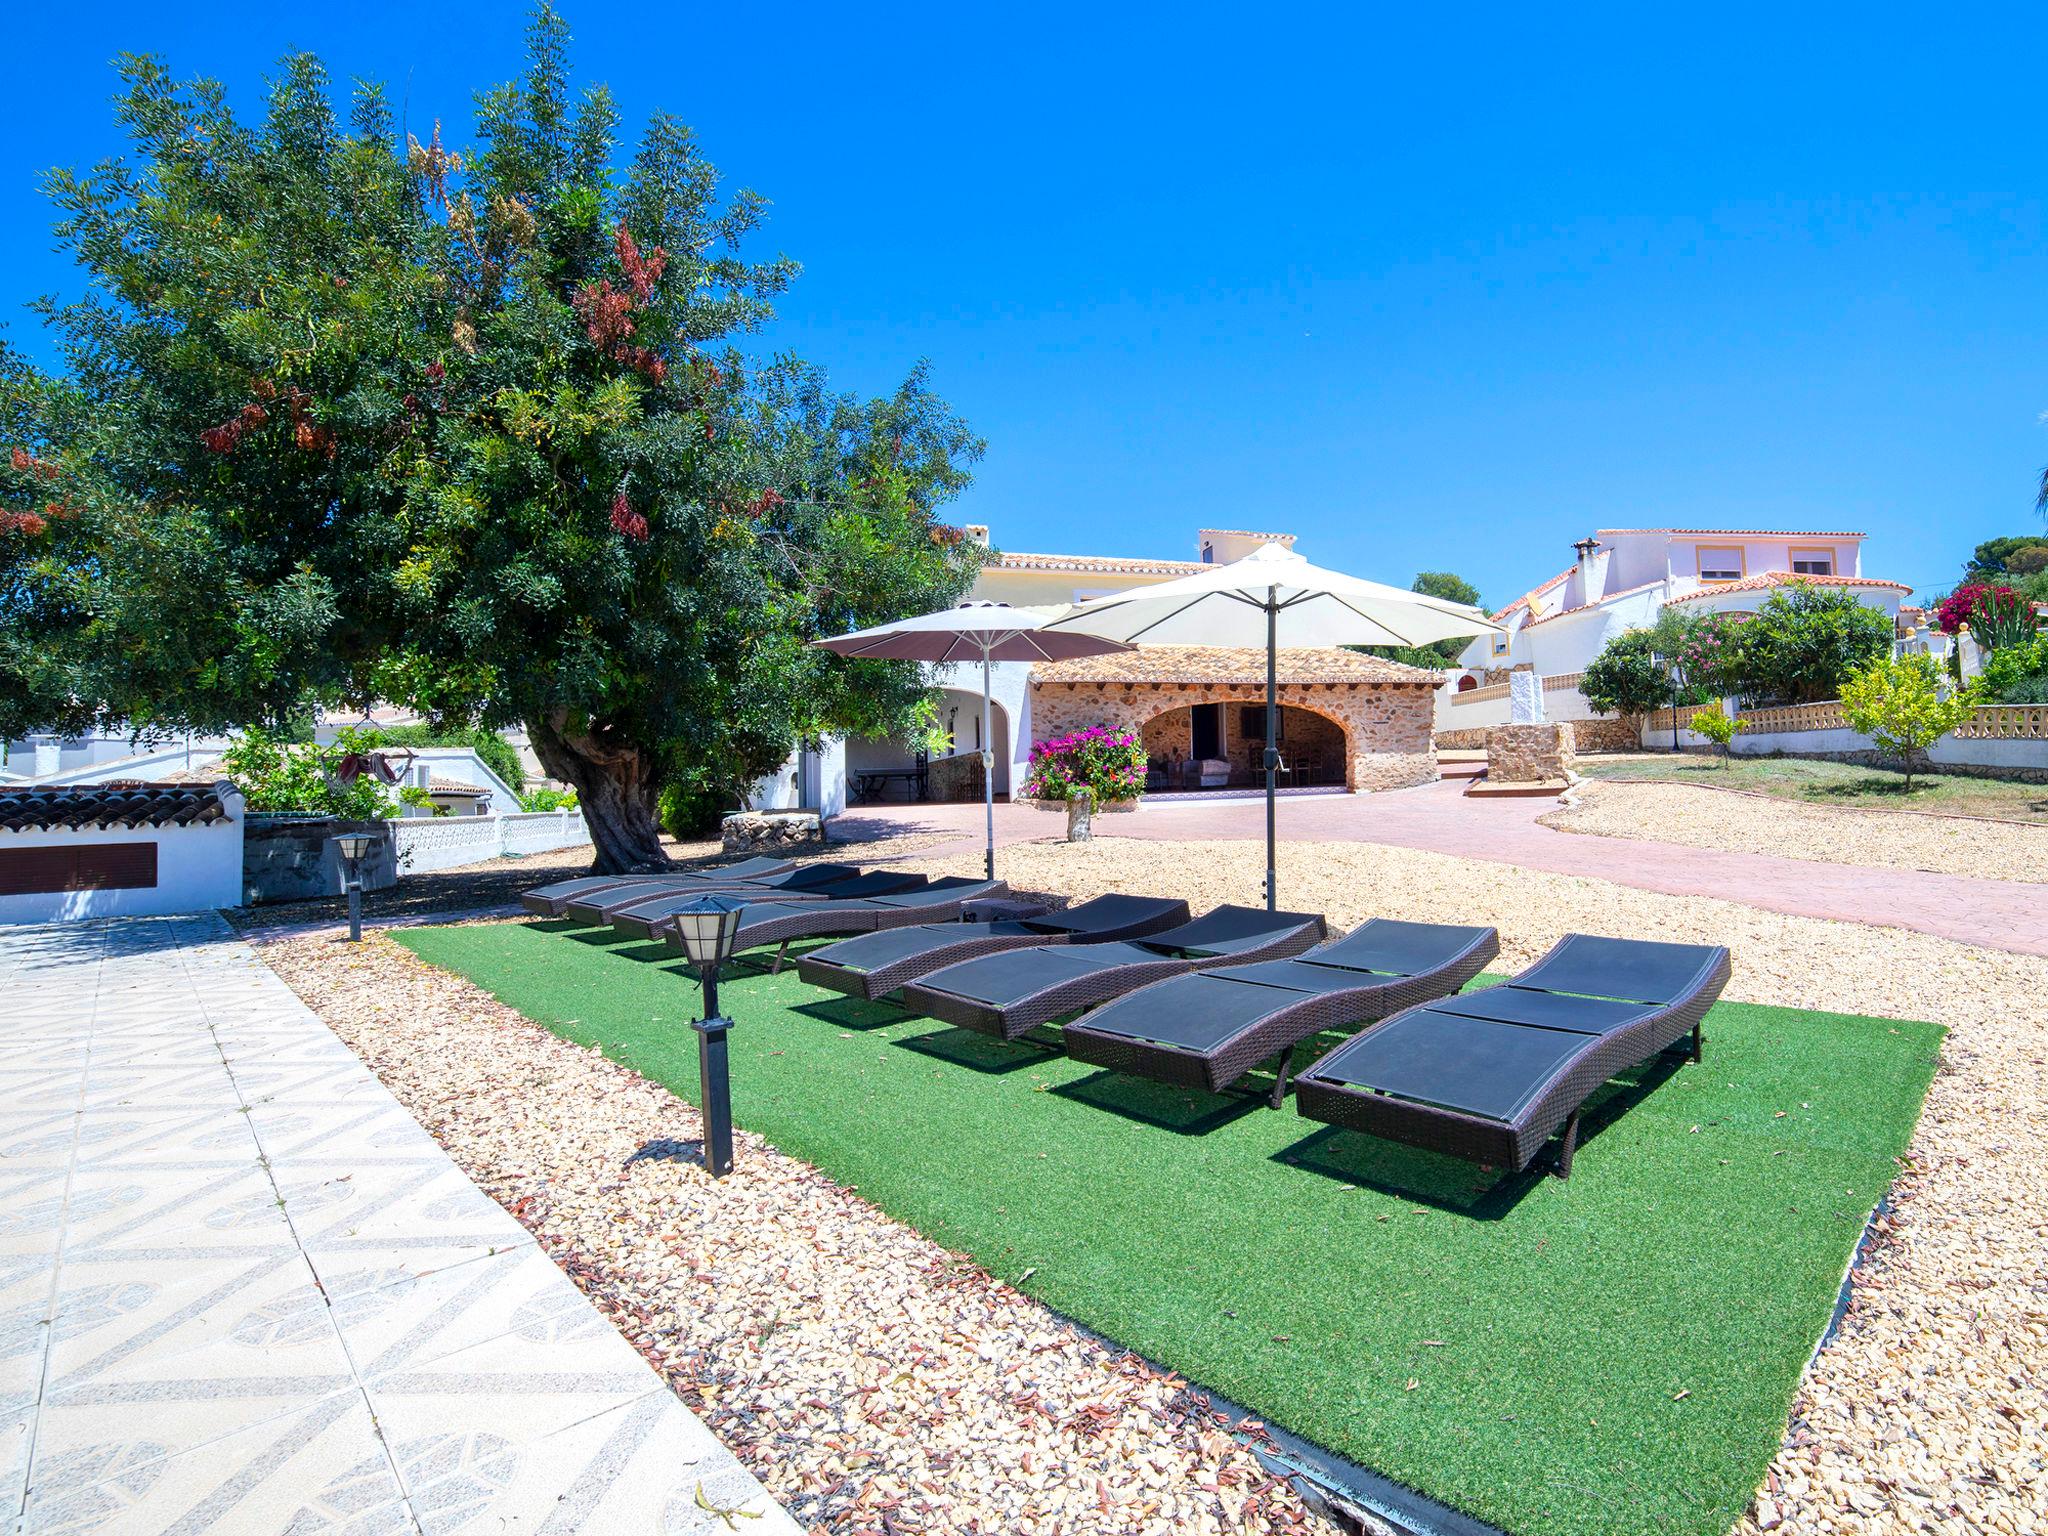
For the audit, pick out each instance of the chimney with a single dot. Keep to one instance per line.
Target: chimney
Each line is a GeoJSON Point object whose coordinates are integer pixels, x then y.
{"type": "Point", "coordinates": [976, 534]}
{"type": "Point", "coordinates": [1591, 571]}
{"type": "Point", "coordinates": [49, 756]}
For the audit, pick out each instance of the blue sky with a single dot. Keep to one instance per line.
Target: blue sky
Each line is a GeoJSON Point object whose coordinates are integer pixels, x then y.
{"type": "Point", "coordinates": [1430, 293]}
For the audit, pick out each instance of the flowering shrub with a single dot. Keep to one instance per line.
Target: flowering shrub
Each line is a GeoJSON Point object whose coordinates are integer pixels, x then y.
{"type": "Point", "coordinates": [1997, 615]}
{"type": "Point", "coordinates": [1109, 764]}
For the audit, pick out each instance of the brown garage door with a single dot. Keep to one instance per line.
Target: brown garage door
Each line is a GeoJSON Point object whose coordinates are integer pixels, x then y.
{"type": "Point", "coordinates": [88, 867]}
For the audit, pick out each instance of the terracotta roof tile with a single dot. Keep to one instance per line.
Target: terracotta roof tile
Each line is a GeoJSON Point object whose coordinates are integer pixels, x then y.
{"type": "Point", "coordinates": [108, 805]}
{"type": "Point", "coordinates": [1535, 592]}
{"type": "Point", "coordinates": [1765, 580]}
{"type": "Point", "coordinates": [440, 786]}
{"type": "Point", "coordinates": [1231, 664]}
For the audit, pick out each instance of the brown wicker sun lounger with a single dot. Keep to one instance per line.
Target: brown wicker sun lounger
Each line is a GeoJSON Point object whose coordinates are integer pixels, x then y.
{"type": "Point", "coordinates": [655, 916]}
{"type": "Point", "coordinates": [597, 907]}
{"type": "Point", "coordinates": [1490, 1076]}
{"type": "Point", "coordinates": [782, 923]}
{"type": "Point", "coordinates": [549, 900]}
{"type": "Point", "coordinates": [874, 965]}
{"type": "Point", "coordinates": [1009, 995]}
{"type": "Point", "coordinates": [1209, 1028]}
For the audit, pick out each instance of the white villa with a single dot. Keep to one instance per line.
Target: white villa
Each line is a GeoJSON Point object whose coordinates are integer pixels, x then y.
{"type": "Point", "coordinates": [1623, 577]}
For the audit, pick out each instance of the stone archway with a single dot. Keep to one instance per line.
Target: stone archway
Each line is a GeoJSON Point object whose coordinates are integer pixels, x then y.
{"type": "Point", "coordinates": [1315, 746]}
{"type": "Point", "coordinates": [1387, 727]}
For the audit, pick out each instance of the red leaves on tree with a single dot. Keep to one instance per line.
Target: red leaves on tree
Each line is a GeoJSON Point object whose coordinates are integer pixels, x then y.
{"type": "Point", "coordinates": [607, 312]}
{"type": "Point", "coordinates": [626, 520]}
{"type": "Point", "coordinates": [28, 464]}
{"type": "Point", "coordinates": [765, 503]}
{"type": "Point", "coordinates": [643, 272]}
{"type": "Point", "coordinates": [28, 524]}
{"type": "Point", "coordinates": [228, 435]}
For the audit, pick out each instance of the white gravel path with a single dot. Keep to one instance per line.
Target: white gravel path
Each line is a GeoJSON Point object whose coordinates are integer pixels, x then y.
{"type": "Point", "coordinates": [1701, 817]}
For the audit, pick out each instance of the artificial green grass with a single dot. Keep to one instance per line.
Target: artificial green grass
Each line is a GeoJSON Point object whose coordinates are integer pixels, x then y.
{"type": "Point", "coordinates": [1613, 1354]}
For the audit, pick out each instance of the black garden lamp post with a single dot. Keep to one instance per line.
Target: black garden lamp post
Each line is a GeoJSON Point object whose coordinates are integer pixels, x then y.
{"type": "Point", "coordinates": [352, 846]}
{"type": "Point", "coordinates": [708, 927]}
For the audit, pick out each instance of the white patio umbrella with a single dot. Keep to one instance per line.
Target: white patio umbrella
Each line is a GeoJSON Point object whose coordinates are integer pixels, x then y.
{"type": "Point", "coordinates": [974, 631]}
{"type": "Point", "coordinates": [1272, 597]}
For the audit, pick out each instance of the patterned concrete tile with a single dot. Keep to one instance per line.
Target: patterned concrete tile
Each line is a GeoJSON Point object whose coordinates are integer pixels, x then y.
{"type": "Point", "coordinates": [321, 1468]}
{"type": "Point", "coordinates": [242, 1290]}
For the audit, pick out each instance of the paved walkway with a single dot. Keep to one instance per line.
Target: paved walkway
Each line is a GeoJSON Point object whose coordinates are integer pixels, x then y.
{"type": "Point", "coordinates": [1996, 914]}
{"type": "Point", "coordinates": [242, 1291]}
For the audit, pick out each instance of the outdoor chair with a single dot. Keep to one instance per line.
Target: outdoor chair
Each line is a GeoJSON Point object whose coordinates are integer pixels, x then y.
{"type": "Point", "coordinates": [1209, 1028]}
{"type": "Point", "coordinates": [782, 923]}
{"type": "Point", "coordinates": [549, 900]}
{"type": "Point", "coordinates": [1489, 1076]}
{"type": "Point", "coordinates": [1009, 995]}
{"type": "Point", "coordinates": [652, 919]}
{"type": "Point", "coordinates": [874, 965]}
{"type": "Point", "coordinates": [599, 907]}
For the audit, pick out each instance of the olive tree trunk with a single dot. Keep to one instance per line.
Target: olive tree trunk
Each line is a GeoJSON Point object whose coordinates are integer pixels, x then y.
{"type": "Point", "coordinates": [616, 787]}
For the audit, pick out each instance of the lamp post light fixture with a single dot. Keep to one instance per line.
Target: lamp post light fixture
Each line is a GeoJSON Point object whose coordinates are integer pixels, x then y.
{"type": "Point", "coordinates": [708, 926]}
{"type": "Point", "coordinates": [352, 846]}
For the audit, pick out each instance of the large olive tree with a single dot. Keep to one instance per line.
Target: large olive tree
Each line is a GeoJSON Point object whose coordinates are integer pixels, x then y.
{"type": "Point", "coordinates": [345, 417]}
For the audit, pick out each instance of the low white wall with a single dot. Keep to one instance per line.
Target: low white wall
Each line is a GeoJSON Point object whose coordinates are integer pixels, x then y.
{"type": "Point", "coordinates": [198, 868]}
{"type": "Point", "coordinates": [428, 843]}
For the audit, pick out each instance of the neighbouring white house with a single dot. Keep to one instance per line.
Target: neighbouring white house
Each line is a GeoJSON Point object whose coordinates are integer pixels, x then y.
{"type": "Point", "coordinates": [1621, 579]}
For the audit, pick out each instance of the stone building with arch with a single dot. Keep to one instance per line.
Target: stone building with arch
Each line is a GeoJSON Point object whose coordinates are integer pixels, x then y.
{"type": "Point", "coordinates": [1346, 719]}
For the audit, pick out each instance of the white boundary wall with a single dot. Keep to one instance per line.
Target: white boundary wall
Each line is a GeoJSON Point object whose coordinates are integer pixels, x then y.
{"type": "Point", "coordinates": [427, 843]}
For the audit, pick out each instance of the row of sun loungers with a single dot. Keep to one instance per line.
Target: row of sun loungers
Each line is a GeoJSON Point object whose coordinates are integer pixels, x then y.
{"type": "Point", "coordinates": [1490, 1075]}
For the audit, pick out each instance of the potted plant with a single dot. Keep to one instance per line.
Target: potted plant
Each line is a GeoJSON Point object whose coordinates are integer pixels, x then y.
{"type": "Point", "coordinates": [1108, 763]}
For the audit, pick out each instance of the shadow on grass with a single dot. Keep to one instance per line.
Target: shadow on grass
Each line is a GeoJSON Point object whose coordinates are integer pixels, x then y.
{"type": "Point", "coordinates": [1873, 785]}
{"type": "Point", "coordinates": [979, 1053]}
{"type": "Point", "coordinates": [554, 925]}
{"type": "Point", "coordinates": [853, 1013]}
{"type": "Point", "coordinates": [1450, 1183]}
{"type": "Point", "coordinates": [1185, 1112]}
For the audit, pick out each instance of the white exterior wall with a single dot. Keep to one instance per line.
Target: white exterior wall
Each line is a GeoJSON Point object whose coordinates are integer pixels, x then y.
{"type": "Point", "coordinates": [198, 869]}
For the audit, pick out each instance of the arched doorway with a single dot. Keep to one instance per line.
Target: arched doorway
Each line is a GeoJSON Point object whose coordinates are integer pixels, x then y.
{"type": "Point", "coordinates": [1221, 745]}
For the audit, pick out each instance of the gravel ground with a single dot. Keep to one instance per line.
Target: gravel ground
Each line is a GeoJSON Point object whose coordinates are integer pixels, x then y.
{"type": "Point", "coordinates": [1710, 818]}
{"type": "Point", "coordinates": [850, 1362]}
{"type": "Point", "coordinates": [878, 1385]}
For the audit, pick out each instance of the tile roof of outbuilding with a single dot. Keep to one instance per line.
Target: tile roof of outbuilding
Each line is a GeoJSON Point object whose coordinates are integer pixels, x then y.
{"type": "Point", "coordinates": [1232, 664]}
{"type": "Point", "coordinates": [74, 806]}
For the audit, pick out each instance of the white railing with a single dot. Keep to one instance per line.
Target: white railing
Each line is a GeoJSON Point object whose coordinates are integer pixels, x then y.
{"type": "Point", "coordinates": [427, 843]}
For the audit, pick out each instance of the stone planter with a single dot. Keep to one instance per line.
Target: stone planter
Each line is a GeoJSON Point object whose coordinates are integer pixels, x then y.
{"type": "Point", "coordinates": [1061, 805]}
{"type": "Point", "coordinates": [771, 831]}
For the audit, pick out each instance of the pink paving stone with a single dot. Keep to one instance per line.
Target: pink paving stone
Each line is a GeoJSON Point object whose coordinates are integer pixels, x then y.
{"type": "Point", "coordinates": [1994, 914]}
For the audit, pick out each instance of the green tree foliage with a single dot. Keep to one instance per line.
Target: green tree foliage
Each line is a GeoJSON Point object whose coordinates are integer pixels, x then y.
{"type": "Point", "coordinates": [1440, 653]}
{"type": "Point", "coordinates": [1897, 703]}
{"type": "Point", "coordinates": [2018, 674]}
{"type": "Point", "coordinates": [1805, 641]}
{"type": "Point", "coordinates": [277, 775]}
{"type": "Point", "coordinates": [1623, 679]}
{"type": "Point", "coordinates": [1718, 726]}
{"type": "Point", "coordinates": [344, 419]}
{"type": "Point", "coordinates": [1994, 557]}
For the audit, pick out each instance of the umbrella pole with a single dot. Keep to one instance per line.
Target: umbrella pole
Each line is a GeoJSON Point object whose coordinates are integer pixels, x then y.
{"type": "Point", "coordinates": [988, 766]}
{"type": "Point", "coordinates": [1272, 741]}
